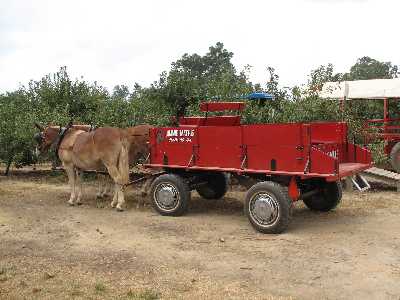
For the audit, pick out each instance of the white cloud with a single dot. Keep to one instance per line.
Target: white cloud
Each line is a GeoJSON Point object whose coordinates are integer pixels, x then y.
{"type": "Point", "coordinates": [116, 42]}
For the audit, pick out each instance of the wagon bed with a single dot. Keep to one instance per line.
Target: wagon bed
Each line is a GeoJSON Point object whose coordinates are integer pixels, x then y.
{"type": "Point", "coordinates": [277, 163]}
{"type": "Point", "coordinates": [221, 143]}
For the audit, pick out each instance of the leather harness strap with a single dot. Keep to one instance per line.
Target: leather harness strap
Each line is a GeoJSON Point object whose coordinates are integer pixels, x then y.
{"type": "Point", "coordinates": [61, 136]}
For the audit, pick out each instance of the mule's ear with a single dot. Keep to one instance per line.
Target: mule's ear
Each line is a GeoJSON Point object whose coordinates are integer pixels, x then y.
{"type": "Point", "coordinates": [39, 126]}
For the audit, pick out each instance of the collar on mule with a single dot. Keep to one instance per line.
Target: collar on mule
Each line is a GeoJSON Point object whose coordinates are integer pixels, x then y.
{"type": "Point", "coordinates": [63, 131]}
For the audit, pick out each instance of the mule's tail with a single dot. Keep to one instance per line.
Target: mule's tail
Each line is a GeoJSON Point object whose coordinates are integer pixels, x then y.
{"type": "Point", "coordinates": [123, 161]}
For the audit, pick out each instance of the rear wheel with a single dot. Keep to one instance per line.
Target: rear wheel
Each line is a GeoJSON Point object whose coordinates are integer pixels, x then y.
{"type": "Point", "coordinates": [216, 186]}
{"type": "Point", "coordinates": [268, 207]}
{"type": "Point", "coordinates": [170, 195]}
{"type": "Point", "coordinates": [395, 157]}
{"type": "Point", "coordinates": [328, 196]}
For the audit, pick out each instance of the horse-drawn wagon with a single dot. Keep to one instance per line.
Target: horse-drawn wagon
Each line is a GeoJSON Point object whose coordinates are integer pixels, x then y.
{"type": "Point", "coordinates": [278, 163]}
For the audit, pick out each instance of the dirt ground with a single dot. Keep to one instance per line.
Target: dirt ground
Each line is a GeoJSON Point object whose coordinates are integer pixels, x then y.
{"type": "Point", "coordinates": [49, 250]}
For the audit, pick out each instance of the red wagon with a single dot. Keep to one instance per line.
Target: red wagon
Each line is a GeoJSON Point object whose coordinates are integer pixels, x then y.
{"type": "Point", "coordinates": [278, 163]}
{"type": "Point", "coordinates": [387, 91]}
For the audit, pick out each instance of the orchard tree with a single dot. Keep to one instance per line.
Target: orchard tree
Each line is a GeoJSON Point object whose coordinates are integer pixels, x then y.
{"type": "Point", "coordinates": [369, 68]}
{"type": "Point", "coordinates": [16, 127]}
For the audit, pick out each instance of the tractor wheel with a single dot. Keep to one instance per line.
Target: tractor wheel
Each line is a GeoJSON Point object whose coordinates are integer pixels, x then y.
{"type": "Point", "coordinates": [328, 197]}
{"type": "Point", "coordinates": [268, 207]}
{"type": "Point", "coordinates": [216, 187]}
{"type": "Point", "coordinates": [395, 157]}
{"type": "Point", "coordinates": [170, 195]}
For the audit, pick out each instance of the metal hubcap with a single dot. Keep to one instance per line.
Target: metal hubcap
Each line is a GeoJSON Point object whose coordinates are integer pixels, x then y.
{"type": "Point", "coordinates": [264, 209]}
{"type": "Point", "coordinates": [166, 196]}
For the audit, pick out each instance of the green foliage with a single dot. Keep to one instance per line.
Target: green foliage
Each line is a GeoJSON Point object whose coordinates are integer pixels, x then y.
{"type": "Point", "coordinates": [16, 130]}
{"type": "Point", "coordinates": [194, 78]}
{"type": "Point", "coordinates": [369, 68]}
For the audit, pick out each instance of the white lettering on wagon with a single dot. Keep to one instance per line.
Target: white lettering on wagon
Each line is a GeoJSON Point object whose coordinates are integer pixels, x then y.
{"type": "Point", "coordinates": [332, 154]}
{"type": "Point", "coordinates": [180, 135]}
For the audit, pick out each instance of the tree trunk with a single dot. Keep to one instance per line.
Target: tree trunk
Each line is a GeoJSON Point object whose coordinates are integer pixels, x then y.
{"type": "Point", "coordinates": [9, 162]}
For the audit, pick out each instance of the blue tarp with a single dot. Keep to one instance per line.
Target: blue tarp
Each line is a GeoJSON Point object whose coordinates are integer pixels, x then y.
{"type": "Point", "coordinates": [259, 96]}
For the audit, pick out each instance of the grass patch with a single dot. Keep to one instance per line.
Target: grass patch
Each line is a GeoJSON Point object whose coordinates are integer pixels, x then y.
{"type": "Point", "coordinates": [76, 290]}
{"type": "Point", "coordinates": [143, 295]}
{"type": "Point", "coordinates": [6, 272]}
{"type": "Point", "coordinates": [99, 287]}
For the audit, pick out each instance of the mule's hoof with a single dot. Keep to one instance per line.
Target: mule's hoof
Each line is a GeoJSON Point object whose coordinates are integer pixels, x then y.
{"type": "Point", "coordinates": [119, 209]}
{"type": "Point", "coordinates": [79, 203]}
{"type": "Point", "coordinates": [71, 203]}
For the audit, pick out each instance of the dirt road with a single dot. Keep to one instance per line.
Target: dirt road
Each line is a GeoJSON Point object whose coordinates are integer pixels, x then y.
{"type": "Point", "coordinates": [49, 250]}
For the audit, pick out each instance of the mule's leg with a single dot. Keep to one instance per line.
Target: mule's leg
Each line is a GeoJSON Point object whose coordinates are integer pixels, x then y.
{"type": "Point", "coordinates": [71, 179]}
{"type": "Point", "coordinates": [144, 191]}
{"type": "Point", "coordinates": [146, 186]}
{"type": "Point", "coordinates": [78, 184]}
{"type": "Point", "coordinates": [107, 186]}
{"type": "Point", "coordinates": [118, 198]}
{"type": "Point", "coordinates": [118, 168]}
{"type": "Point", "coordinates": [115, 196]}
{"type": "Point", "coordinates": [121, 197]}
{"type": "Point", "coordinates": [101, 179]}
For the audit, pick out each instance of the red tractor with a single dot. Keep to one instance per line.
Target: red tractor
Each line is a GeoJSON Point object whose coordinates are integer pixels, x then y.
{"type": "Point", "coordinates": [278, 163]}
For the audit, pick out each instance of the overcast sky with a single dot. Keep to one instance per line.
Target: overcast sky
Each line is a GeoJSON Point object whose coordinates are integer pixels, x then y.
{"type": "Point", "coordinates": [122, 42]}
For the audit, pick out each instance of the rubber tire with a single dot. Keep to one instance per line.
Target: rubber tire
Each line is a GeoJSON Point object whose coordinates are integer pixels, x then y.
{"type": "Point", "coordinates": [395, 153]}
{"type": "Point", "coordinates": [328, 198]}
{"type": "Point", "coordinates": [182, 188]}
{"type": "Point", "coordinates": [216, 188]}
{"type": "Point", "coordinates": [284, 202]}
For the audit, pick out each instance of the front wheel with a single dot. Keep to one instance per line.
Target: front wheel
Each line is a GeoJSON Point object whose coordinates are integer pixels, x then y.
{"type": "Point", "coordinates": [268, 207]}
{"type": "Point", "coordinates": [170, 195]}
{"type": "Point", "coordinates": [328, 196]}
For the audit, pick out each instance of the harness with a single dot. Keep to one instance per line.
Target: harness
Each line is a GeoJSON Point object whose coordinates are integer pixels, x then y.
{"type": "Point", "coordinates": [63, 131]}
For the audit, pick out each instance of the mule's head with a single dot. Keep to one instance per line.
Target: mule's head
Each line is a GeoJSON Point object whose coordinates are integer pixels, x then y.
{"type": "Point", "coordinates": [45, 137]}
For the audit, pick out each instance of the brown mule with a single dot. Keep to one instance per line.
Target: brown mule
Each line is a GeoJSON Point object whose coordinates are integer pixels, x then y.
{"type": "Point", "coordinates": [80, 150]}
{"type": "Point", "coordinates": [138, 138]}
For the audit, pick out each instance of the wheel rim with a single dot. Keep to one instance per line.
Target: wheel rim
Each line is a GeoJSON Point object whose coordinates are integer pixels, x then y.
{"type": "Point", "coordinates": [166, 196]}
{"type": "Point", "coordinates": [264, 209]}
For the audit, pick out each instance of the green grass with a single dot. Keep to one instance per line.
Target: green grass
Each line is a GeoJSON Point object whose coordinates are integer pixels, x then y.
{"type": "Point", "coordinates": [99, 287]}
{"type": "Point", "coordinates": [143, 295]}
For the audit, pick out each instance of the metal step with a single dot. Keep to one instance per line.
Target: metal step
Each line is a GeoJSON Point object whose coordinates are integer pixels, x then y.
{"type": "Point", "coordinates": [383, 176]}
{"type": "Point", "coordinates": [360, 183]}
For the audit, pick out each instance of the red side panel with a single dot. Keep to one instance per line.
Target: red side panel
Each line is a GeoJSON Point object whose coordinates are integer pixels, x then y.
{"type": "Point", "coordinates": [335, 132]}
{"type": "Point", "coordinates": [220, 146]}
{"type": "Point", "coordinates": [172, 145]}
{"type": "Point", "coordinates": [274, 147]}
{"type": "Point", "coordinates": [323, 163]}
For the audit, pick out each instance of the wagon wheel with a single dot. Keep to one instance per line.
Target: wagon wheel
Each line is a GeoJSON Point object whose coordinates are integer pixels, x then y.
{"type": "Point", "coordinates": [268, 207]}
{"type": "Point", "coordinates": [327, 198]}
{"type": "Point", "coordinates": [216, 187]}
{"type": "Point", "coordinates": [170, 195]}
{"type": "Point", "coordinates": [395, 157]}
